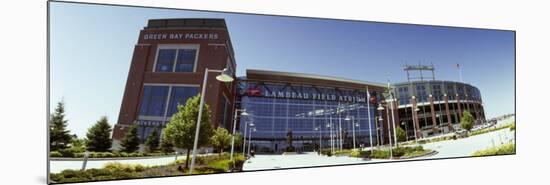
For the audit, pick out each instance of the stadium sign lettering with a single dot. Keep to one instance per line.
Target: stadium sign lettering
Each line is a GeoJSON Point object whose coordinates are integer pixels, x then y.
{"type": "Point", "coordinates": [312, 96]}
{"type": "Point", "coordinates": [180, 36]}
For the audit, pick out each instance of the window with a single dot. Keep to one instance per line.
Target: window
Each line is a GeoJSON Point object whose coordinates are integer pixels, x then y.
{"type": "Point", "coordinates": [460, 92]}
{"type": "Point", "coordinates": [451, 92]}
{"type": "Point", "coordinates": [179, 96]}
{"type": "Point", "coordinates": [421, 93]}
{"type": "Point", "coordinates": [157, 98]}
{"type": "Point", "coordinates": [176, 58]}
{"type": "Point", "coordinates": [186, 60]}
{"type": "Point", "coordinates": [403, 95]}
{"type": "Point", "coordinates": [224, 114]}
{"type": "Point", "coordinates": [165, 60]}
{"type": "Point", "coordinates": [153, 101]}
{"type": "Point", "coordinates": [436, 90]}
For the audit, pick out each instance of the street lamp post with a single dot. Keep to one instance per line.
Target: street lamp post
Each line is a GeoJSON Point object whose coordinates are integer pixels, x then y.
{"type": "Point", "coordinates": [380, 108]}
{"type": "Point", "coordinates": [368, 114]}
{"type": "Point", "coordinates": [339, 129]}
{"type": "Point", "coordinates": [319, 129]}
{"type": "Point", "coordinates": [225, 76]}
{"type": "Point", "coordinates": [252, 129]}
{"type": "Point", "coordinates": [377, 133]}
{"type": "Point", "coordinates": [438, 119]}
{"type": "Point", "coordinates": [243, 113]}
{"type": "Point", "coordinates": [244, 137]}
{"type": "Point", "coordinates": [393, 116]}
{"type": "Point", "coordinates": [244, 140]}
{"type": "Point", "coordinates": [330, 137]}
{"type": "Point", "coordinates": [353, 130]}
{"type": "Point", "coordinates": [331, 134]}
{"type": "Point", "coordinates": [414, 116]}
{"type": "Point", "coordinates": [353, 127]}
{"type": "Point", "coordinates": [406, 130]}
{"type": "Point", "coordinates": [416, 129]}
{"type": "Point", "coordinates": [440, 116]}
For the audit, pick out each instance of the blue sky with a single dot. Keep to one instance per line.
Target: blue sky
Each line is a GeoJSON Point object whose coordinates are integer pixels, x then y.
{"type": "Point", "coordinates": [91, 48]}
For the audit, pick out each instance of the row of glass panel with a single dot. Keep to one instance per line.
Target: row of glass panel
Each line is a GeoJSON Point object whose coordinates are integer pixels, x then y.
{"type": "Point", "coordinates": [437, 90]}
{"type": "Point", "coordinates": [276, 119]}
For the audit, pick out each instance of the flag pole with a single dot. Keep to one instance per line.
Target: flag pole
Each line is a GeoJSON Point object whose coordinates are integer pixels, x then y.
{"type": "Point", "coordinates": [459, 72]}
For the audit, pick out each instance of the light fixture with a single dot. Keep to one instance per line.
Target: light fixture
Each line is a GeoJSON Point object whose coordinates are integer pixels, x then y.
{"type": "Point", "coordinates": [380, 108]}
{"type": "Point", "coordinates": [225, 76]}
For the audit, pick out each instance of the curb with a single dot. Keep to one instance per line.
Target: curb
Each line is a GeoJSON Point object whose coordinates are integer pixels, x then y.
{"type": "Point", "coordinates": [433, 152]}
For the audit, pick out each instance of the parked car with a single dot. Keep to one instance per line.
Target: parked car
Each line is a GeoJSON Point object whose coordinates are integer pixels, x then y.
{"type": "Point", "coordinates": [461, 133]}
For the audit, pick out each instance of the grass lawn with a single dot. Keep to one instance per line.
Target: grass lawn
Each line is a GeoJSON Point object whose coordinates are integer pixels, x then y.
{"type": "Point", "coordinates": [508, 148]}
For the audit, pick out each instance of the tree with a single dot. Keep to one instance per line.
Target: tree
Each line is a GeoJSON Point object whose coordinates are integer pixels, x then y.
{"type": "Point", "coordinates": [467, 122]}
{"type": "Point", "coordinates": [78, 144]}
{"type": "Point", "coordinates": [130, 142]}
{"type": "Point", "coordinates": [59, 135]}
{"type": "Point", "coordinates": [152, 142]}
{"type": "Point", "coordinates": [180, 131]}
{"type": "Point", "coordinates": [289, 141]}
{"type": "Point", "coordinates": [401, 135]}
{"type": "Point", "coordinates": [99, 136]}
{"type": "Point", "coordinates": [238, 140]}
{"type": "Point", "coordinates": [221, 139]}
{"type": "Point", "coordinates": [165, 145]}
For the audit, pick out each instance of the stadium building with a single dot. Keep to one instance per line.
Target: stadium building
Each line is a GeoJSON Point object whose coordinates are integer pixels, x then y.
{"type": "Point", "coordinates": [309, 111]}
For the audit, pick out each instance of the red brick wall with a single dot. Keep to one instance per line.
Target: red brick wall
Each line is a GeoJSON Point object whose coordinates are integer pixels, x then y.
{"type": "Point", "coordinates": [211, 55]}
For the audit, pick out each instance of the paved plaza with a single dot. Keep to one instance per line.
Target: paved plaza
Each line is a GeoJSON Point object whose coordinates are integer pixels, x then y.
{"type": "Point", "coordinates": [451, 148]}
{"type": "Point", "coordinates": [263, 162]}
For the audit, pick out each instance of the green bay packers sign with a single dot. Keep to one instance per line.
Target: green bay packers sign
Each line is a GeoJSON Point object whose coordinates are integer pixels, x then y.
{"type": "Point", "coordinates": [180, 36]}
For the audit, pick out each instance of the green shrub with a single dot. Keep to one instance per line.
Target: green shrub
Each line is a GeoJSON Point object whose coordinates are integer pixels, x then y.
{"type": "Point", "coordinates": [139, 168]}
{"type": "Point", "coordinates": [79, 155]}
{"type": "Point", "coordinates": [70, 152]}
{"type": "Point", "coordinates": [398, 152]}
{"type": "Point", "coordinates": [56, 154]}
{"type": "Point", "coordinates": [380, 154]}
{"type": "Point", "coordinates": [342, 152]}
{"type": "Point", "coordinates": [220, 164]}
{"type": "Point", "coordinates": [290, 149]}
{"type": "Point", "coordinates": [110, 155]}
{"type": "Point", "coordinates": [92, 155]}
{"type": "Point", "coordinates": [116, 166]}
{"type": "Point", "coordinates": [508, 148]}
{"type": "Point", "coordinates": [98, 172]}
{"type": "Point", "coordinates": [56, 177]}
{"type": "Point", "coordinates": [326, 152]}
{"type": "Point", "coordinates": [355, 153]}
